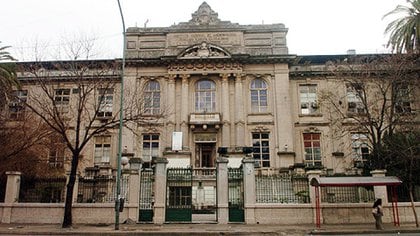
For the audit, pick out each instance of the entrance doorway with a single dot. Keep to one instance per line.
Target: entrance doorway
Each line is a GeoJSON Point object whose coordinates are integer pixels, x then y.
{"type": "Point", "coordinates": [205, 155]}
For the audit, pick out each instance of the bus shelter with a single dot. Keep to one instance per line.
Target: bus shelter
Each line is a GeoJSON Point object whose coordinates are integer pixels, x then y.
{"type": "Point", "coordinates": [391, 181]}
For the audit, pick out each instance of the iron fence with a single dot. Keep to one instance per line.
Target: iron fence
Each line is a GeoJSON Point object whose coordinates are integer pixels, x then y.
{"type": "Point", "coordinates": [354, 194]}
{"type": "Point", "coordinates": [101, 189]}
{"type": "Point", "coordinates": [42, 190]}
{"type": "Point", "coordinates": [281, 188]}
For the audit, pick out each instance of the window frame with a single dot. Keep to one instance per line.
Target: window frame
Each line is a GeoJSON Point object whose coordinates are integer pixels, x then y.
{"type": "Point", "coordinates": [153, 141]}
{"type": "Point", "coordinates": [354, 100]}
{"type": "Point", "coordinates": [100, 148]}
{"type": "Point", "coordinates": [17, 107]}
{"type": "Point", "coordinates": [152, 97]}
{"type": "Point", "coordinates": [257, 90]}
{"type": "Point", "coordinates": [63, 98]}
{"type": "Point", "coordinates": [359, 144]}
{"type": "Point", "coordinates": [105, 102]}
{"type": "Point", "coordinates": [312, 158]}
{"type": "Point", "coordinates": [309, 107]}
{"type": "Point", "coordinates": [261, 152]}
{"type": "Point", "coordinates": [205, 99]}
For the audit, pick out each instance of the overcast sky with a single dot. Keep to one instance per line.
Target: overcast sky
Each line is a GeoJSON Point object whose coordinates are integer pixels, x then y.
{"type": "Point", "coordinates": [316, 27]}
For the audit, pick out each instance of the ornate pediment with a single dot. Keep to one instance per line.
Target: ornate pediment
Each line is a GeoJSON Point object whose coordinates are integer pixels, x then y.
{"type": "Point", "coordinates": [204, 16]}
{"type": "Point", "coordinates": [204, 50]}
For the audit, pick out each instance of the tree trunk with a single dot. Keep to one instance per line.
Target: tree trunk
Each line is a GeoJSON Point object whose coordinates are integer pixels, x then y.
{"type": "Point", "coordinates": [68, 221]}
{"type": "Point", "coordinates": [413, 207]}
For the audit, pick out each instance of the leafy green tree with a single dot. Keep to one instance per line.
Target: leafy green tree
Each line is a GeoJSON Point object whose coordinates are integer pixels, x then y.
{"type": "Point", "coordinates": [402, 155]}
{"type": "Point", "coordinates": [405, 31]}
{"type": "Point", "coordinates": [7, 74]}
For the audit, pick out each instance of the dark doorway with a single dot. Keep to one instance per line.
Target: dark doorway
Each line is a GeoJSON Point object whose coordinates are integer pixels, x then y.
{"type": "Point", "coordinates": [205, 155]}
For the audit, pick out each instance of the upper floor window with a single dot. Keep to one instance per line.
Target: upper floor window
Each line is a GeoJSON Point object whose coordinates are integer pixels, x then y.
{"type": "Point", "coordinates": [105, 101]}
{"type": "Point", "coordinates": [308, 99]}
{"type": "Point", "coordinates": [360, 147]}
{"type": "Point", "coordinates": [402, 98]}
{"type": "Point", "coordinates": [152, 98]}
{"type": "Point", "coordinates": [61, 97]}
{"type": "Point", "coordinates": [205, 96]}
{"type": "Point", "coordinates": [258, 95]}
{"type": "Point", "coordinates": [150, 146]}
{"type": "Point", "coordinates": [261, 148]}
{"type": "Point", "coordinates": [102, 149]}
{"type": "Point", "coordinates": [354, 100]}
{"type": "Point", "coordinates": [312, 148]}
{"type": "Point", "coordinates": [17, 104]}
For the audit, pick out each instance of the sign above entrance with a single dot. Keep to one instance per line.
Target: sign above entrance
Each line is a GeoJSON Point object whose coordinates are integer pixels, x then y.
{"type": "Point", "coordinates": [205, 118]}
{"type": "Point", "coordinates": [205, 138]}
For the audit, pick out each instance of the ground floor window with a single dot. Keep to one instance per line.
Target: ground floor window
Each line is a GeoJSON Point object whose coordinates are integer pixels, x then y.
{"type": "Point", "coordinates": [261, 149]}
{"type": "Point", "coordinates": [102, 149]}
{"type": "Point", "coordinates": [312, 148]}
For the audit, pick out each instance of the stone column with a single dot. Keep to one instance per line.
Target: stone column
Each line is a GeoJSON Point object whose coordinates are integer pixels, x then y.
{"type": "Point", "coordinates": [225, 111]}
{"type": "Point", "coordinates": [160, 191]}
{"type": "Point", "coordinates": [380, 191]}
{"type": "Point", "coordinates": [11, 196]}
{"type": "Point", "coordinates": [249, 189]}
{"type": "Point", "coordinates": [239, 112]}
{"type": "Point", "coordinates": [171, 106]}
{"type": "Point", "coordinates": [314, 174]}
{"type": "Point", "coordinates": [222, 191]}
{"type": "Point", "coordinates": [184, 109]}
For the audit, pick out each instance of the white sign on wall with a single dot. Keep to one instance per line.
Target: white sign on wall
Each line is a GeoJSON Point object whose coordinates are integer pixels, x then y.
{"type": "Point", "coordinates": [177, 141]}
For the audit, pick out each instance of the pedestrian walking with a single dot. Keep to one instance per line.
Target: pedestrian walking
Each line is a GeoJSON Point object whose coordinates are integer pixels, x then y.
{"type": "Point", "coordinates": [377, 213]}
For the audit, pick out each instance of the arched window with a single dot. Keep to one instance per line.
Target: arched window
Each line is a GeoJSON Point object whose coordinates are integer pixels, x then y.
{"type": "Point", "coordinates": [205, 96]}
{"type": "Point", "coordinates": [152, 98]}
{"type": "Point", "coordinates": [258, 95]}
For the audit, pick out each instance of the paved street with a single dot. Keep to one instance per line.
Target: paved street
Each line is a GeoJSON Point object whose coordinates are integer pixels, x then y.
{"type": "Point", "coordinates": [206, 229]}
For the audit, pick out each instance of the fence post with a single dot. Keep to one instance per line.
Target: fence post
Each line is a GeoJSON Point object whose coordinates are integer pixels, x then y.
{"type": "Point", "coordinates": [312, 195]}
{"type": "Point", "coordinates": [249, 189]}
{"type": "Point", "coordinates": [380, 191]}
{"type": "Point", "coordinates": [160, 191]}
{"type": "Point", "coordinates": [11, 196]}
{"type": "Point", "coordinates": [134, 188]}
{"type": "Point", "coordinates": [222, 191]}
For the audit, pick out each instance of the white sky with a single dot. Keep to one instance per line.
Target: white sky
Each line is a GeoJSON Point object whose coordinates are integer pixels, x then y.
{"type": "Point", "coordinates": [316, 27]}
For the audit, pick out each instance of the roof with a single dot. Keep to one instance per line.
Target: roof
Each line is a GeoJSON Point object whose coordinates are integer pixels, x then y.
{"type": "Point", "coordinates": [355, 181]}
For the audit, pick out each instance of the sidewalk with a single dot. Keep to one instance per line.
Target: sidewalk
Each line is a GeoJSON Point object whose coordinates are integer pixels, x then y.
{"type": "Point", "coordinates": [200, 229]}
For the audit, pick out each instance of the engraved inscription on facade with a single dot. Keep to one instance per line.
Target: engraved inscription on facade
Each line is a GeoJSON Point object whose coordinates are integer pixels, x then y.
{"type": "Point", "coordinates": [228, 38]}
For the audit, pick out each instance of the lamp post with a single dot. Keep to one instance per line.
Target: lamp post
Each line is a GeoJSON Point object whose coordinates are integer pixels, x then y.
{"type": "Point", "coordinates": [118, 197]}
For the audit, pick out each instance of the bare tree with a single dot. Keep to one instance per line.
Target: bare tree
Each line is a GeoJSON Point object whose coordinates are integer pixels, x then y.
{"type": "Point", "coordinates": [381, 97]}
{"type": "Point", "coordinates": [77, 100]}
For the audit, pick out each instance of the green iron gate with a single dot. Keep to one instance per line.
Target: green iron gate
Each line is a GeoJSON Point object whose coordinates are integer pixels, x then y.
{"type": "Point", "coordinates": [236, 195]}
{"type": "Point", "coordinates": [179, 195]}
{"type": "Point", "coordinates": [146, 196]}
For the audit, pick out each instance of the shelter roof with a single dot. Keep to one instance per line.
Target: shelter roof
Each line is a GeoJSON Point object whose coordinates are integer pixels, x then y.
{"type": "Point", "coordinates": [355, 181]}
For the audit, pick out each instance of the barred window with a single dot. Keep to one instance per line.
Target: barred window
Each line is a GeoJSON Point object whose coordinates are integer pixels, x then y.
{"type": "Point", "coordinates": [312, 147]}
{"type": "Point", "coordinates": [152, 98]}
{"type": "Point", "coordinates": [261, 148]}
{"type": "Point", "coordinates": [258, 95]}
{"type": "Point", "coordinates": [205, 96]}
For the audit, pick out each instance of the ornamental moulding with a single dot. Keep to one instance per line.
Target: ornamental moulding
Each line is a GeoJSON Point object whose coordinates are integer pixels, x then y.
{"type": "Point", "coordinates": [204, 68]}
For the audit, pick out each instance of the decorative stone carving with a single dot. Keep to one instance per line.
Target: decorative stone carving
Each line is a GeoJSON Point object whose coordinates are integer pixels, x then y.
{"type": "Point", "coordinates": [204, 16]}
{"type": "Point", "coordinates": [204, 68]}
{"type": "Point", "coordinates": [204, 50]}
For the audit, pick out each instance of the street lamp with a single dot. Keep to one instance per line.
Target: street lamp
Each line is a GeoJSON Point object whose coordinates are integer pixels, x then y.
{"type": "Point", "coordinates": [118, 197]}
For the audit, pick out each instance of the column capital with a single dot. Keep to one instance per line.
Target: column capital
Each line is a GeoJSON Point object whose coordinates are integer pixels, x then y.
{"type": "Point", "coordinates": [185, 77]}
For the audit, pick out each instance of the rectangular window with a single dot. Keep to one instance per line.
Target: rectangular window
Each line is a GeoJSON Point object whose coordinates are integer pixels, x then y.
{"type": "Point", "coordinates": [354, 101]}
{"type": "Point", "coordinates": [17, 104]}
{"type": "Point", "coordinates": [308, 99]}
{"type": "Point", "coordinates": [261, 149]}
{"type": "Point", "coordinates": [105, 100]}
{"type": "Point", "coordinates": [150, 146]}
{"type": "Point", "coordinates": [56, 153]}
{"type": "Point", "coordinates": [61, 97]}
{"type": "Point", "coordinates": [102, 149]}
{"type": "Point", "coordinates": [312, 147]}
{"type": "Point", "coordinates": [402, 99]}
{"type": "Point", "coordinates": [360, 148]}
